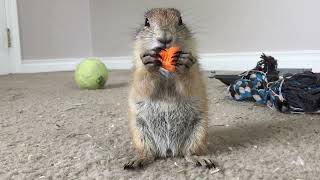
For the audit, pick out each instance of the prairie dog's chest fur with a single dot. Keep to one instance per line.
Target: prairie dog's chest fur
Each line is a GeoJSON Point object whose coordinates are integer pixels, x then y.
{"type": "Point", "coordinates": [169, 124]}
{"type": "Point", "coordinates": [168, 119]}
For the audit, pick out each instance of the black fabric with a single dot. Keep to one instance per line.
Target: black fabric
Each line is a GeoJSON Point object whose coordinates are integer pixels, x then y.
{"type": "Point", "coordinates": [298, 93]}
{"type": "Point", "coordinates": [268, 65]}
{"type": "Point", "coordinates": [302, 91]}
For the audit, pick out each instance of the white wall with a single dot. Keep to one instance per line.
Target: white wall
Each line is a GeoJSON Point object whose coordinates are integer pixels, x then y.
{"type": "Point", "coordinates": [232, 32]}
{"type": "Point", "coordinates": [220, 25]}
{"type": "Point", "coordinates": [59, 29]}
{"type": "Point", "coordinates": [54, 29]}
{"type": "Point", "coordinates": [4, 52]}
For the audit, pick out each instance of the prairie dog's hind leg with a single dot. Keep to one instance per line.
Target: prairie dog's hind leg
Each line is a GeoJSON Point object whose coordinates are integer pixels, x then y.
{"type": "Point", "coordinates": [145, 155]}
{"type": "Point", "coordinates": [201, 161]}
{"type": "Point", "coordinates": [196, 147]}
{"type": "Point", "coordinates": [138, 162]}
{"type": "Point", "coordinates": [143, 144]}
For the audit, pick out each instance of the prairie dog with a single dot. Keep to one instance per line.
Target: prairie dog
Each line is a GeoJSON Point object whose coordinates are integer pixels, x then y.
{"type": "Point", "coordinates": [168, 116]}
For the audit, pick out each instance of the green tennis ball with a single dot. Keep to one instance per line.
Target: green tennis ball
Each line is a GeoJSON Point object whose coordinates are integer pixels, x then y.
{"type": "Point", "coordinates": [91, 73]}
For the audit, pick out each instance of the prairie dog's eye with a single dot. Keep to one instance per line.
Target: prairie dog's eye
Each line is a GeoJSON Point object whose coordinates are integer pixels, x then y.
{"type": "Point", "coordinates": [180, 21]}
{"type": "Point", "coordinates": [146, 23]}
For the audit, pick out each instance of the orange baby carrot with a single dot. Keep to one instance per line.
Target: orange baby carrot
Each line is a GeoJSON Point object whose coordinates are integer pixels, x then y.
{"type": "Point", "coordinates": [167, 58]}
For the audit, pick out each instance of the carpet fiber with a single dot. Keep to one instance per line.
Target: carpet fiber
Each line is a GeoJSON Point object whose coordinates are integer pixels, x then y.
{"type": "Point", "coordinates": [49, 129]}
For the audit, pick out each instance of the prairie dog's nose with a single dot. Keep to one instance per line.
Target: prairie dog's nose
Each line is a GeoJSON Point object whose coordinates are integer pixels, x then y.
{"type": "Point", "coordinates": [165, 37]}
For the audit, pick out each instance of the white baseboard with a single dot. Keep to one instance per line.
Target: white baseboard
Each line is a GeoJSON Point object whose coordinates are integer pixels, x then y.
{"type": "Point", "coordinates": [245, 61]}
{"type": "Point", "coordinates": [218, 61]}
{"type": "Point", "coordinates": [69, 64]}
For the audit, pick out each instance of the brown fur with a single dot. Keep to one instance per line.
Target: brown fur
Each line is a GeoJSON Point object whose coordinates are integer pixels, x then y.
{"type": "Point", "coordinates": [188, 84]}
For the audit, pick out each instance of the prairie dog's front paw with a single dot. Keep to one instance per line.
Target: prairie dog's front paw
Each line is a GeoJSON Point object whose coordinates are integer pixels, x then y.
{"type": "Point", "coordinates": [184, 61]}
{"type": "Point", "coordinates": [151, 59]}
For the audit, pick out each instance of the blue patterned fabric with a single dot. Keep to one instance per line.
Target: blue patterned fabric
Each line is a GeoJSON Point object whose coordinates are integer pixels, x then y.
{"type": "Point", "coordinates": [299, 93]}
{"type": "Point", "coordinates": [250, 87]}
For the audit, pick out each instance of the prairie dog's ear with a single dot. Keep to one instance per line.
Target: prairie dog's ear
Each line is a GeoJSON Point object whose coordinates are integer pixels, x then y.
{"type": "Point", "coordinates": [180, 21]}
{"type": "Point", "coordinates": [146, 23]}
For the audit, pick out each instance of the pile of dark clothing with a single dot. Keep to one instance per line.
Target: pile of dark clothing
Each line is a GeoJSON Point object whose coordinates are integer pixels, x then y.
{"type": "Point", "coordinates": [298, 93]}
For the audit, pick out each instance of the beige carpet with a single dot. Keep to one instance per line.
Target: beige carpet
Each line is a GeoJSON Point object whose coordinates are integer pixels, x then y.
{"type": "Point", "coordinates": [49, 129]}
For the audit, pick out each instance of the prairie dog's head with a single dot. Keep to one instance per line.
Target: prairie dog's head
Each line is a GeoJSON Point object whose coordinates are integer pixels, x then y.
{"type": "Point", "coordinates": [163, 28]}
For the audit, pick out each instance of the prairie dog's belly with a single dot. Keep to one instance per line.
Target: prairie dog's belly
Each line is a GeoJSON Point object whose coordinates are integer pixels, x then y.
{"type": "Point", "coordinates": [166, 126]}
